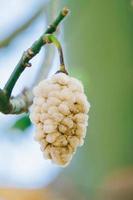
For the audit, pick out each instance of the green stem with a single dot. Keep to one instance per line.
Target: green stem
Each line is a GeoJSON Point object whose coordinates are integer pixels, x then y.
{"type": "Point", "coordinates": [31, 52]}
{"type": "Point", "coordinates": [50, 38]}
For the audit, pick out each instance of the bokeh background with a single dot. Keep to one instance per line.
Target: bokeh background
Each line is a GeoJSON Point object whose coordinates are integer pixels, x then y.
{"type": "Point", "coordinates": [97, 38]}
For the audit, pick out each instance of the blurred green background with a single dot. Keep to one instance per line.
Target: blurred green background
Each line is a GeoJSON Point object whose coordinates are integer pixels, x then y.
{"type": "Point", "coordinates": [99, 50]}
{"type": "Point", "coordinates": [98, 43]}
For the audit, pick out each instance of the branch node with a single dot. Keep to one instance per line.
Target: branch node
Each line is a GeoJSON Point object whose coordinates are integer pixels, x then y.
{"type": "Point", "coordinates": [28, 64]}
{"type": "Point", "coordinates": [52, 28]}
{"type": "Point", "coordinates": [46, 39]}
{"type": "Point", "coordinates": [30, 52]}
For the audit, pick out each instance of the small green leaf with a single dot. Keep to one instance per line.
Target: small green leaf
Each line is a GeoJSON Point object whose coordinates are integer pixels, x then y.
{"type": "Point", "coordinates": [22, 123]}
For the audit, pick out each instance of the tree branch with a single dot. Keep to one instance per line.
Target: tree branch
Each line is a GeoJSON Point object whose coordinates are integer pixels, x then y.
{"type": "Point", "coordinates": [21, 103]}
{"type": "Point", "coordinates": [31, 52]}
{"type": "Point", "coordinates": [12, 105]}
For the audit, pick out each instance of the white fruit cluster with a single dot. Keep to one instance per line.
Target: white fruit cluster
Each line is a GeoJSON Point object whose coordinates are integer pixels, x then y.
{"type": "Point", "coordinates": [59, 112]}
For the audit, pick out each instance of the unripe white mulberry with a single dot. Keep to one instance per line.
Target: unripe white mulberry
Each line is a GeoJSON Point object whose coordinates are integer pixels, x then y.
{"type": "Point", "coordinates": [59, 112]}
